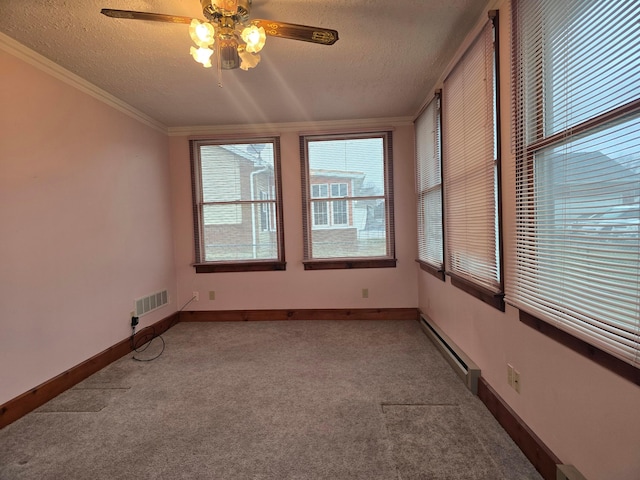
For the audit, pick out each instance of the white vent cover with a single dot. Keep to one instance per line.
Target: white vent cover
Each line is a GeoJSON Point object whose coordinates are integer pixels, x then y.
{"type": "Point", "coordinates": [151, 302]}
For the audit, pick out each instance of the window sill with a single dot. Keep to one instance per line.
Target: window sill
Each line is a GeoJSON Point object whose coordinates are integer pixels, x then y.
{"type": "Point", "coordinates": [335, 264]}
{"type": "Point", "coordinates": [436, 272]}
{"type": "Point", "coordinates": [257, 266]}
{"type": "Point", "coordinates": [496, 300]}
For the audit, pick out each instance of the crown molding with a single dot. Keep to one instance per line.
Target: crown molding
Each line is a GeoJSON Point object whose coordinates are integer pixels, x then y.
{"type": "Point", "coordinates": [42, 63]}
{"type": "Point", "coordinates": [309, 127]}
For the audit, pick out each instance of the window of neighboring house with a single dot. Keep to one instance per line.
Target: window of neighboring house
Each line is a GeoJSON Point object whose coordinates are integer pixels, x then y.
{"type": "Point", "coordinates": [320, 208]}
{"type": "Point", "coordinates": [265, 211]}
{"type": "Point", "coordinates": [429, 189]}
{"type": "Point", "coordinates": [471, 170]}
{"type": "Point", "coordinates": [576, 274]}
{"type": "Point", "coordinates": [339, 207]}
{"type": "Point", "coordinates": [236, 205]}
{"type": "Point", "coordinates": [348, 201]}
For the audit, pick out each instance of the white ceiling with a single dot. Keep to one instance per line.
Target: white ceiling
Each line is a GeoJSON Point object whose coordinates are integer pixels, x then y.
{"type": "Point", "coordinates": [389, 55]}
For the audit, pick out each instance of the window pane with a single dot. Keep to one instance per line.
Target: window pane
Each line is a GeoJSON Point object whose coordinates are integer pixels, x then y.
{"type": "Point", "coordinates": [356, 163]}
{"type": "Point", "coordinates": [340, 216]}
{"type": "Point", "coordinates": [240, 240]}
{"type": "Point", "coordinates": [362, 235]}
{"type": "Point", "coordinates": [229, 171]}
{"type": "Point", "coordinates": [429, 185]}
{"type": "Point", "coordinates": [433, 222]}
{"type": "Point", "coordinates": [588, 218]}
{"type": "Point", "coordinates": [590, 65]}
{"type": "Point", "coordinates": [320, 213]}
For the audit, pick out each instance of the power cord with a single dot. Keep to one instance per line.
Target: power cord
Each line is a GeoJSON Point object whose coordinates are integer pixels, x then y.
{"type": "Point", "coordinates": [143, 342]}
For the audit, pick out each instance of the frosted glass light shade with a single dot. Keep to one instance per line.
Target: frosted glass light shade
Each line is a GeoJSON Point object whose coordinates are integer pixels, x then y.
{"type": "Point", "coordinates": [255, 38]}
{"type": "Point", "coordinates": [202, 33]}
{"type": "Point", "coordinates": [248, 59]}
{"type": "Point", "coordinates": [202, 55]}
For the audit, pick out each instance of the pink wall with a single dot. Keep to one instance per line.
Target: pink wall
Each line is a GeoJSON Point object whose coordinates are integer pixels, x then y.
{"type": "Point", "coordinates": [85, 225]}
{"type": "Point", "coordinates": [587, 415]}
{"type": "Point", "coordinates": [295, 287]}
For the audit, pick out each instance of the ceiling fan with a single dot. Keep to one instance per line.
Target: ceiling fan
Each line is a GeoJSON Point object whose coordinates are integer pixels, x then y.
{"type": "Point", "coordinates": [227, 29]}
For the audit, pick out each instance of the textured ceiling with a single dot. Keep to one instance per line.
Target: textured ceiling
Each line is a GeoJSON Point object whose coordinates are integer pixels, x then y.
{"type": "Point", "coordinates": [389, 54]}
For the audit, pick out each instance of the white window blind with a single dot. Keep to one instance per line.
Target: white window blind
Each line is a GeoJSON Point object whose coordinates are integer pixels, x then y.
{"type": "Point", "coordinates": [429, 185]}
{"type": "Point", "coordinates": [576, 128]}
{"type": "Point", "coordinates": [470, 166]}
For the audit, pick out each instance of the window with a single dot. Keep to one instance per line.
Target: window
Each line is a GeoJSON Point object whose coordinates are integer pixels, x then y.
{"type": "Point", "coordinates": [347, 201]}
{"type": "Point", "coordinates": [266, 211]}
{"type": "Point", "coordinates": [237, 207]}
{"type": "Point", "coordinates": [577, 143]}
{"type": "Point", "coordinates": [339, 207]}
{"type": "Point", "coordinates": [320, 209]}
{"type": "Point", "coordinates": [429, 186]}
{"type": "Point", "coordinates": [471, 170]}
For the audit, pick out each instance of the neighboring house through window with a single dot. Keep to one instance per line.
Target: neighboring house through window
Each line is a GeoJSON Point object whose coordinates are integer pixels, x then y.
{"type": "Point", "coordinates": [320, 208]}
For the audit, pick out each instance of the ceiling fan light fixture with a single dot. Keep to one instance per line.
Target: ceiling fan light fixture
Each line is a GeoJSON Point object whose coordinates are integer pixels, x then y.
{"type": "Point", "coordinates": [202, 55]}
{"type": "Point", "coordinates": [237, 39]}
{"type": "Point", "coordinates": [255, 38]}
{"type": "Point", "coordinates": [203, 34]}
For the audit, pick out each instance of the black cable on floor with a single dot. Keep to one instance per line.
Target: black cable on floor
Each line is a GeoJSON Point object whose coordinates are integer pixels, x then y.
{"type": "Point", "coordinates": [144, 341]}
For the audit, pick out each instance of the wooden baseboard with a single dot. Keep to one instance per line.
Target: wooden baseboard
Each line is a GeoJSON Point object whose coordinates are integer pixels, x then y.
{"type": "Point", "coordinates": [542, 458]}
{"type": "Point", "coordinates": [29, 401]}
{"type": "Point", "coordinates": [301, 314]}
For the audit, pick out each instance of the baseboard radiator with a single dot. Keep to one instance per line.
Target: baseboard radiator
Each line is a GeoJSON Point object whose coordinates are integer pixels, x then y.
{"type": "Point", "coordinates": [568, 472]}
{"type": "Point", "coordinates": [461, 363]}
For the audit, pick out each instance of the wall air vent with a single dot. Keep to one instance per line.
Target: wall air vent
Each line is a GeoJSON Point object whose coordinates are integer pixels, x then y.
{"type": "Point", "coordinates": [151, 302]}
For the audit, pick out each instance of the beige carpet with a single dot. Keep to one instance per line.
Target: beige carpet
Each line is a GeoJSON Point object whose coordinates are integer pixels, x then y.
{"type": "Point", "coordinates": [338, 400]}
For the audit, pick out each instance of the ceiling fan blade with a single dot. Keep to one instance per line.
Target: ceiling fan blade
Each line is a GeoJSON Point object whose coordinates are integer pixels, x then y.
{"type": "Point", "coordinates": [323, 36]}
{"type": "Point", "coordinates": [154, 17]}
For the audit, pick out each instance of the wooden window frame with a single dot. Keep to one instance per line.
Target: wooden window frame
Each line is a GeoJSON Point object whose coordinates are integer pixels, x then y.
{"type": "Point", "coordinates": [248, 265]}
{"type": "Point", "coordinates": [387, 261]}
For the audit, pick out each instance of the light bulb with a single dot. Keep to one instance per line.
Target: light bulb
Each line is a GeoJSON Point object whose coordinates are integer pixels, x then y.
{"type": "Point", "coordinates": [254, 37]}
{"type": "Point", "coordinates": [202, 33]}
{"type": "Point", "coordinates": [202, 55]}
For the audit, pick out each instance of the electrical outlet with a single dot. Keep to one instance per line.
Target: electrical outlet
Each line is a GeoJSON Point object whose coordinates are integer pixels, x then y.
{"type": "Point", "coordinates": [212, 295]}
{"type": "Point", "coordinates": [516, 380]}
{"type": "Point", "coordinates": [196, 296]}
{"type": "Point", "coordinates": [510, 374]}
{"type": "Point", "coordinates": [365, 293]}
